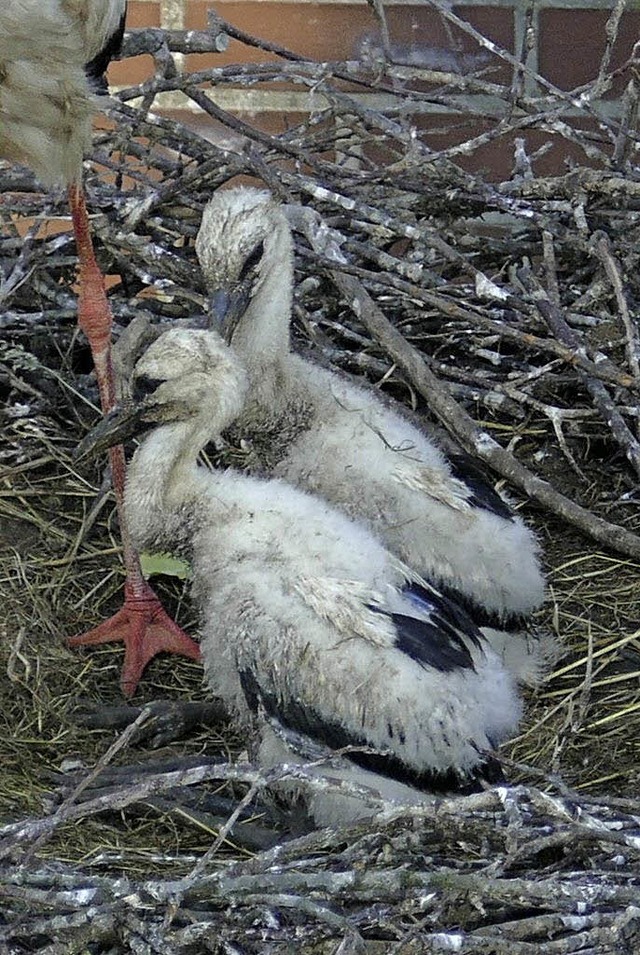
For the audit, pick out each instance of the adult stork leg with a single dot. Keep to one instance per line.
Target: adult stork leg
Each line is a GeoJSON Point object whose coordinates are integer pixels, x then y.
{"type": "Point", "coordinates": [142, 624]}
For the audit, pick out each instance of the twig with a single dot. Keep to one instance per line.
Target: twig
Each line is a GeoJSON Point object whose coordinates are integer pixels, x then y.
{"type": "Point", "coordinates": [462, 427]}
{"type": "Point", "coordinates": [602, 248]}
{"type": "Point", "coordinates": [570, 337]}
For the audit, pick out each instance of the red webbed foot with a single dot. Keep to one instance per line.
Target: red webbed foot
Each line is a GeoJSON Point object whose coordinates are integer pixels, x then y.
{"type": "Point", "coordinates": [146, 630]}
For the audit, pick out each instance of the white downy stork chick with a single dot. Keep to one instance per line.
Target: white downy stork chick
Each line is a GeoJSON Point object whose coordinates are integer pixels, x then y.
{"type": "Point", "coordinates": [318, 430]}
{"type": "Point", "coordinates": [307, 617]}
{"type": "Point", "coordinates": [53, 54]}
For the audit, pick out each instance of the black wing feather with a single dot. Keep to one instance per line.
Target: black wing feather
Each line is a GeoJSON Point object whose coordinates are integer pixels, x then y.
{"type": "Point", "coordinates": [483, 495]}
{"type": "Point", "coordinates": [97, 67]}
{"type": "Point", "coordinates": [294, 715]}
{"type": "Point", "coordinates": [481, 615]}
{"type": "Point", "coordinates": [444, 640]}
{"type": "Point", "coordinates": [428, 646]}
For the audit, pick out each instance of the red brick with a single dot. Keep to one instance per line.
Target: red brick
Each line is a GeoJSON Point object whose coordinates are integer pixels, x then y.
{"type": "Point", "coordinates": [320, 31]}
{"type": "Point", "coordinates": [272, 122]}
{"type": "Point", "coordinates": [336, 31]}
{"type": "Point", "coordinates": [572, 43]}
{"type": "Point", "coordinates": [495, 159]}
{"type": "Point", "coordinates": [138, 68]}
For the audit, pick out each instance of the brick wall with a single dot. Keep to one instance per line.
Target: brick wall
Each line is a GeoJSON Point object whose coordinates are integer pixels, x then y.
{"type": "Point", "coordinates": [566, 43]}
{"type": "Point", "coordinates": [571, 35]}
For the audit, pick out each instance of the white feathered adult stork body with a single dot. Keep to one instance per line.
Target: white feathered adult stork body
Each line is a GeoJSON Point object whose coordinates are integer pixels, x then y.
{"type": "Point", "coordinates": [53, 54]}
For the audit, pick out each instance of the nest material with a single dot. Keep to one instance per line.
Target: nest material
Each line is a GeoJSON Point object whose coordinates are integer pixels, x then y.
{"type": "Point", "coordinates": [501, 308]}
{"type": "Point", "coordinates": [504, 871]}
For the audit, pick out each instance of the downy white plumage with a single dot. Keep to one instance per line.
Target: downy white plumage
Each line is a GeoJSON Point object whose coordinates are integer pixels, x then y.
{"type": "Point", "coordinates": [308, 620]}
{"type": "Point", "coordinates": [320, 431]}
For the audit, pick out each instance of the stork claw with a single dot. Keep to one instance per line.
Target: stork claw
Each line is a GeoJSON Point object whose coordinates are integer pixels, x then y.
{"type": "Point", "coordinates": [146, 630]}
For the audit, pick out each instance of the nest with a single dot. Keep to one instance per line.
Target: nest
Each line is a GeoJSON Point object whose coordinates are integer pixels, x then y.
{"type": "Point", "coordinates": [502, 309]}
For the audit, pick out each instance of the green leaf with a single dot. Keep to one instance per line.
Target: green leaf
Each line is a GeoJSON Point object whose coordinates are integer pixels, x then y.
{"type": "Point", "coordinates": [153, 564]}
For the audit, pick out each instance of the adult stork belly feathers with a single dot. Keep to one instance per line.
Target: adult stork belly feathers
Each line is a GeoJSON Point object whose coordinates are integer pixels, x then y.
{"type": "Point", "coordinates": [53, 54]}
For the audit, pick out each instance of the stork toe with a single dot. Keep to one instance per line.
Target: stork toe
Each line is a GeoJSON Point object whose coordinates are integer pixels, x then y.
{"type": "Point", "coordinates": [146, 630]}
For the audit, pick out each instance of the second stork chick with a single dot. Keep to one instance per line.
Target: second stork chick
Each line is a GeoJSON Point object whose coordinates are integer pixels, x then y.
{"type": "Point", "coordinates": [308, 619]}
{"type": "Point", "coordinates": [322, 432]}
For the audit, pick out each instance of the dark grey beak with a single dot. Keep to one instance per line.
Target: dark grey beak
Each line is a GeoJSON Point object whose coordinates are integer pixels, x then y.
{"type": "Point", "coordinates": [226, 308]}
{"type": "Point", "coordinates": [115, 428]}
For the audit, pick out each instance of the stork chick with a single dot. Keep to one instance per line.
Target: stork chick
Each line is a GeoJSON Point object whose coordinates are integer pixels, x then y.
{"type": "Point", "coordinates": [318, 430]}
{"type": "Point", "coordinates": [308, 620]}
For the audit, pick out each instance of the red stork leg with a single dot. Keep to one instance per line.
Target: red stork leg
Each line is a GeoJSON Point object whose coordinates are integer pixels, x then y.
{"type": "Point", "coordinates": [142, 623]}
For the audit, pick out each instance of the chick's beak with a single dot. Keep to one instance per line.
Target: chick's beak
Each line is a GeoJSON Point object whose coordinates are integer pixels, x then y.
{"type": "Point", "coordinates": [226, 308]}
{"type": "Point", "coordinates": [116, 427]}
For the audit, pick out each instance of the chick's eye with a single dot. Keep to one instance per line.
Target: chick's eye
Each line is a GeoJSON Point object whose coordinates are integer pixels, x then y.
{"type": "Point", "coordinates": [145, 385]}
{"type": "Point", "coordinates": [252, 260]}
